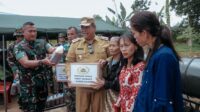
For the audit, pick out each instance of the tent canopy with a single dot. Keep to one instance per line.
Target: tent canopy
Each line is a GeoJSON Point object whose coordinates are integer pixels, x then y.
{"type": "Point", "coordinates": [8, 24]}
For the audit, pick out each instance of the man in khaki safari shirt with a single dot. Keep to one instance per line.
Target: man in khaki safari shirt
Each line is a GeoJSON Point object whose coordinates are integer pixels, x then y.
{"type": "Point", "coordinates": [89, 49]}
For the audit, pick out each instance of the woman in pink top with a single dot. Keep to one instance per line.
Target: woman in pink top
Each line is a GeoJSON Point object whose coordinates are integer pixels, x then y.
{"type": "Point", "coordinates": [131, 73]}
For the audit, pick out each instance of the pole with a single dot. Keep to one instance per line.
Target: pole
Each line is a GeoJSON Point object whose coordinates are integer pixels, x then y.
{"type": "Point", "coordinates": [5, 95]}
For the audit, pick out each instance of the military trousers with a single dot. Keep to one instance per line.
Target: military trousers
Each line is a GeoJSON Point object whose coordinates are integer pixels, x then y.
{"type": "Point", "coordinates": [70, 99]}
{"type": "Point", "coordinates": [88, 100]}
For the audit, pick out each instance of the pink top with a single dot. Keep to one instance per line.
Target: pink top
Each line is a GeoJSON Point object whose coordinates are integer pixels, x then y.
{"type": "Point", "coordinates": [130, 81]}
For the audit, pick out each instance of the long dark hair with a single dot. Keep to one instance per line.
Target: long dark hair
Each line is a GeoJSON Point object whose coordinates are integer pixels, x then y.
{"type": "Point", "coordinates": [138, 55]}
{"type": "Point", "coordinates": [148, 21]}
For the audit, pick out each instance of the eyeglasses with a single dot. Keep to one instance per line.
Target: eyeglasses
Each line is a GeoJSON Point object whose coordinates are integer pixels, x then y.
{"type": "Point", "coordinates": [90, 48]}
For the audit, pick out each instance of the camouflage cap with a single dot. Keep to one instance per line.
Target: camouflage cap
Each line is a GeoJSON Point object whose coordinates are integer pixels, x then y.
{"type": "Point", "coordinates": [87, 21]}
{"type": "Point", "coordinates": [61, 35]}
{"type": "Point", "coordinates": [18, 33]}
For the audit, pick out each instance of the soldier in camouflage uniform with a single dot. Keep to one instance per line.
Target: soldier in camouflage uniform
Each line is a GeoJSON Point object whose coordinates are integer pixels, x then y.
{"type": "Point", "coordinates": [50, 74]}
{"type": "Point", "coordinates": [65, 44]}
{"type": "Point", "coordinates": [11, 58]}
{"type": "Point", "coordinates": [10, 54]}
{"type": "Point", "coordinates": [62, 42]}
{"type": "Point", "coordinates": [72, 33]}
{"type": "Point", "coordinates": [31, 55]}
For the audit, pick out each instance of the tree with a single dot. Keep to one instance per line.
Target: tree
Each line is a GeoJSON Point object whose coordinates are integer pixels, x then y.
{"type": "Point", "coordinates": [178, 28]}
{"type": "Point", "coordinates": [123, 17]}
{"type": "Point", "coordinates": [167, 13]}
{"type": "Point", "coordinates": [96, 16]}
{"type": "Point", "coordinates": [140, 5]}
{"type": "Point", "coordinates": [189, 35]}
{"type": "Point", "coordinates": [160, 15]}
{"type": "Point", "coordinates": [189, 8]}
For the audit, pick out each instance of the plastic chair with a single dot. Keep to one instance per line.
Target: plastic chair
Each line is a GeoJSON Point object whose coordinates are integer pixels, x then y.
{"type": "Point", "coordinates": [8, 87]}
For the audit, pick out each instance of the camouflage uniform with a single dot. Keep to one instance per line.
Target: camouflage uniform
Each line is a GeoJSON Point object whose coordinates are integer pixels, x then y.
{"type": "Point", "coordinates": [50, 75]}
{"type": "Point", "coordinates": [50, 79]}
{"type": "Point", "coordinates": [70, 94]}
{"type": "Point", "coordinates": [11, 58]}
{"type": "Point", "coordinates": [70, 99]}
{"type": "Point", "coordinates": [33, 81]}
{"type": "Point", "coordinates": [66, 46]}
{"type": "Point", "coordinates": [13, 63]}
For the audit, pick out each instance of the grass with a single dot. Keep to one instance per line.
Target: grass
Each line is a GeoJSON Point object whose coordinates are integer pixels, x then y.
{"type": "Point", "coordinates": [1, 73]}
{"type": "Point", "coordinates": [185, 51]}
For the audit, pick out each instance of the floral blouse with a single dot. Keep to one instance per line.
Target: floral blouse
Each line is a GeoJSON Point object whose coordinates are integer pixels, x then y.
{"type": "Point", "coordinates": [130, 82]}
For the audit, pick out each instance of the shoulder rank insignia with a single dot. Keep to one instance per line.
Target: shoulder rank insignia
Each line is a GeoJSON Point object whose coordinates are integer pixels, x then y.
{"type": "Point", "coordinates": [103, 38]}
{"type": "Point", "coordinates": [76, 40]}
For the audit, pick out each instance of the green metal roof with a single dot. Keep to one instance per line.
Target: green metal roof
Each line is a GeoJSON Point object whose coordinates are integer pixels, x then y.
{"type": "Point", "coordinates": [8, 24]}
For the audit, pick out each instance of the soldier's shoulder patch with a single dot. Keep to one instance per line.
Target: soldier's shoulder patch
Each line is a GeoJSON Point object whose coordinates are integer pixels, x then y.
{"type": "Point", "coordinates": [103, 38]}
{"type": "Point", "coordinates": [76, 40]}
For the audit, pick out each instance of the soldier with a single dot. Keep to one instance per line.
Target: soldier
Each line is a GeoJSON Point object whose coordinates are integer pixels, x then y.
{"type": "Point", "coordinates": [62, 42]}
{"type": "Point", "coordinates": [10, 54]}
{"type": "Point", "coordinates": [90, 48]}
{"type": "Point", "coordinates": [72, 33]}
{"type": "Point", "coordinates": [50, 73]}
{"type": "Point", "coordinates": [31, 55]}
{"type": "Point", "coordinates": [13, 62]}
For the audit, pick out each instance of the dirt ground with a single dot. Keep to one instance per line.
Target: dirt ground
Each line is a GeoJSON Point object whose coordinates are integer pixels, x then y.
{"type": "Point", "coordinates": [13, 107]}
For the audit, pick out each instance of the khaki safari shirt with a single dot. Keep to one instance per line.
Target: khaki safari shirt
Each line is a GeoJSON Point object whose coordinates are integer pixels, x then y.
{"type": "Point", "coordinates": [79, 51]}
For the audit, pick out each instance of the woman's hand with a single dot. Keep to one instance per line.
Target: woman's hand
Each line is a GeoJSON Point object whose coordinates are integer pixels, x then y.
{"type": "Point", "coordinates": [102, 62]}
{"type": "Point", "coordinates": [116, 108]}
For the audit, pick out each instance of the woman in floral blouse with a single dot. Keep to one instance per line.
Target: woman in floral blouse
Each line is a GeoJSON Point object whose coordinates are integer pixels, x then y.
{"type": "Point", "coordinates": [131, 73]}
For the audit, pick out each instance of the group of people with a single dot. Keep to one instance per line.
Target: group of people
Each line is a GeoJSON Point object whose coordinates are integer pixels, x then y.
{"type": "Point", "coordinates": [130, 81]}
{"type": "Point", "coordinates": [28, 59]}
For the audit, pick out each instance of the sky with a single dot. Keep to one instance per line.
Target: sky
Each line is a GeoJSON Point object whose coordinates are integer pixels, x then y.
{"type": "Point", "coordinates": [72, 8]}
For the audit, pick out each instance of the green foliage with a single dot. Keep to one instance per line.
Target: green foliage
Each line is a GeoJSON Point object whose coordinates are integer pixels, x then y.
{"type": "Point", "coordinates": [111, 10]}
{"type": "Point", "coordinates": [97, 17]}
{"type": "Point", "coordinates": [123, 17]}
{"type": "Point", "coordinates": [167, 13]}
{"type": "Point", "coordinates": [182, 32]}
{"type": "Point", "coordinates": [123, 12]}
{"type": "Point", "coordinates": [190, 8]}
{"type": "Point", "coordinates": [189, 33]}
{"type": "Point", "coordinates": [176, 31]}
{"type": "Point", "coordinates": [140, 5]}
{"type": "Point", "coordinates": [164, 13]}
{"type": "Point", "coordinates": [160, 15]}
{"type": "Point", "coordinates": [185, 7]}
{"type": "Point", "coordinates": [111, 21]}
{"type": "Point", "coordinates": [190, 26]}
{"type": "Point", "coordinates": [182, 47]}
